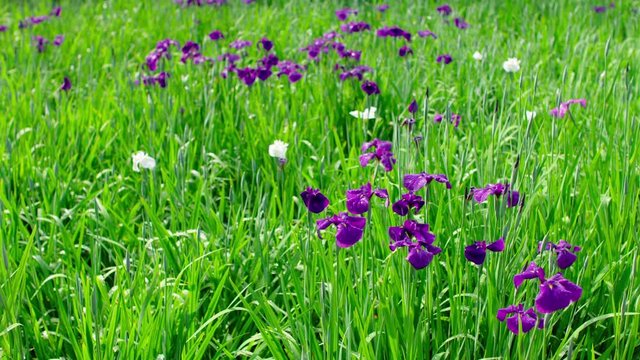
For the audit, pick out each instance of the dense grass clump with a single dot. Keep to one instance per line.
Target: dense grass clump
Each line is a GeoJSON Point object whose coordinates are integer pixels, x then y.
{"type": "Point", "coordinates": [148, 212]}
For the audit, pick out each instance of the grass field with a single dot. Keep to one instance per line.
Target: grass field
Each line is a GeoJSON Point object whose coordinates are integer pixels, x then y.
{"type": "Point", "coordinates": [210, 252]}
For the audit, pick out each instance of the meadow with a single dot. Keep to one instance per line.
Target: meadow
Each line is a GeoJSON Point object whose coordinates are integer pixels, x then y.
{"type": "Point", "coordinates": [319, 179]}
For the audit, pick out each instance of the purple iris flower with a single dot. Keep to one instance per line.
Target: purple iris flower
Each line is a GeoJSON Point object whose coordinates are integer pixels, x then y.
{"type": "Point", "coordinates": [59, 39]}
{"type": "Point", "coordinates": [314, 200]}
{"type": "Point", "coordinates": [66, 84]}
{"type": "Point", "coordinates": [562, 110]}
{"type": "Point", "coordinates": [427, 33]}
{"type": "Point", "coordinates": [438, 117]}
{"type": "Point", "coordinates": [407, 202]}
{"type": "Point", "coordinates": [532, 271]}
{"type": "Point", "coordinates": [269, 61]}
{"type": "Point", "coordinates": [520, 318]}
{"type": "Point", "coordinates": [266, 44]}
{"type": "Point", "coordinates": [370, 88]}
{"type": "Point", "coordinates": [343, 14]}
{"type": "Point", "coordinates": [248, 75]}
{"type": "Point", "coordinates": [477, 252]}
{"type": "Point", "coordinates": [444, 58]}
{"type": "Point", "coordinates": [444, 10]}
{"type": "Point", "coordinates": [357, 72]}
{"type": "Point", "coordinates": [566, 253]}
{"type": "Point", "coordinates": [415, 182]}
{"type": "Point", "coordinates": [556, 293]}
{"type": "Point", "coordinates": [229, 57]}
{"type": "Point", "coordinates": [358, 199]}
{"type": "Point", "coordinates": [56, 11]}
{"type": "Point", "coordinates": [413, 107]}
{"type": "Point", "coordinates": [382, 153]}
{"type": "Point", "coordinates": [41, 43]}
{"type": "Point", "coordinates": [382, 7]}
{"type": "Point", "coordinates": [455, 119]}
{"type": "Point", "coordinates": [422, 250]}
{"type": "Point", "coordinates": [409, 122]}
{"type": "Point", "coordinates": [349, 54]}
{"type": "Point", "coordinates": [460, 23]}
{"type": "Point", "coordinates": [3, 28]}
{"type": "Point", "coordinates": [290, 69]}
{"type": "Point", "coordinates": [34, 20]}
{"type": "Point", "coordinates": [161, 51]}
{"type": "Point", "coordinates": [240, 44]}
{"type": "Point", "coordinates": [354, 27]}
{"type": "Point", "coordinates": [404, 51]}
{"type": "Point", "coordinates": [350, 228]}
{"type": "Point", "coordinates": [190, 50]}
{"type": "Point", "coordinates": [216, 35]}
{"type": "Point", "coordinates": [160, 79]}
{"type": "Point", "coordinates": [393, 31]}
{"type": "Point", "coordinates": [263, 73]}
{"type": "Point", "coordinates": [482, 194]}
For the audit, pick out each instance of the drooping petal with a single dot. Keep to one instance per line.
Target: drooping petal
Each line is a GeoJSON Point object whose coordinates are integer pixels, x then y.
{"type": "Point", "coordinates": [497, 246]}
{"type": "Point", "coordinates": [566, 259]}
{"type": "Point", "coordinates": [400, 207]}
{"type": "Point", "coordinates": [502, 313]}
{"type": "Point", "coordinates": [531, 272]}
{"type": "Point", "coordinates": [414, 182]}
{"type": "Point", "coordinates": [476, 253]}
{"type": "Point", "coordinates": [557, 293]}
{"type": "Point", "coordinates": [419, 258]}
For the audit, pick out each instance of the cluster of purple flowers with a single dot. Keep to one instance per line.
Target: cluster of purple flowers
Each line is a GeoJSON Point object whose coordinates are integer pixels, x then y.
{"type": "Point", "coordinates": [555, 293]}
{"type": "Point", "coordinates": [35, 20]}
{"type": "Point", "coordinates": [41, 42]}
{"type": "Point", "coordinates": [455, 119]}
{"type": "Point", "coordinates": [561, 111]}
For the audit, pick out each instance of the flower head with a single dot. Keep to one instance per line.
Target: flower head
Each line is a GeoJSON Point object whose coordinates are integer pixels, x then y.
{"type": "Point", "coordinates": [382, 7]}
{"type": "Point", "coordinates": [240, 44]}
{"type": "Point", "coordinates": [478, 56]}
{"type": "Point", "coordinates": [415, 182]}
{"type": "Point", "coordinates": [526, 320]}
{"type": "Point", "coordinates": [142, 161]}
{"type": "Point", "coordinates": [511, 65]}
{"type": "Point", "coordinates": [477, 252]}
{"type": "Point", "coordinates": [358, 199]}
{"type": "Point", "coordinates": [160, 79]}
{"type": "Point", "coordinates": [444, 10]}
{"type": "Point", "coordinates": [66, 84]}
{"type": "Point", "coordinates": [532, 271]}
{"type": "Point", "coordinates": [368, 113]}
{"type": "Point", "coordinates": [404, 51]}
{"type": "Point", "coordinates": [460, 23]}
{"type": "Point", "coordinates": [481, 195]}
{"type": "Point", "coordinates": [382, 153]}
{"type": "Point", "coordinates": [216, 35]}
{"type": "Point", "coordinates": [427, 33]}
{"type": "Point", "coordinates": [349, 228]}
{"type": "Point", "coordinates": [58, 40]}
{"type": "Point", "coordinates": [562, 110]}
{"type": "Point", "coordinates": [265, 44]}
{"type": "Point", "coordinates": [314, 200]}
{"type": "Point", "coordinates": [408, 201]}
{"type": "Point", "coordinates": [370, 88]}
{"type": "Point", "coordinates": [530, 115]}
{"type": "Point", "coordinates": [393, 31]}
{"type": "Point", "coordinates": [556, 293]}
{"type": "Point", "coordinates": [444, 59]}
{"type": "Point", "coordinates": [354, 27]}
{"type": "Point", "coordinates": [422, 250]}
{"type": "Point", "coordinates": [565, 251]}
{"type": "Point", "coordinates": [278, 150]}
{"type": "Point", "coordinates": [413, 107]}
{"type": "Point", "coordinates": [343, 14]}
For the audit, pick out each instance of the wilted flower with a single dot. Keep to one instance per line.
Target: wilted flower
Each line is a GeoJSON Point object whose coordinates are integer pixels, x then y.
{"type": "Point", "coordinates": [66, 84]}
{"type": "Point", "coordinates": [477, 252]}
{"type": "Point", "coordinates": [142, 161]}
{"type": "Point", "coordinates": [427, 33]}
{"type": "Point", "coordinates": [405, 50]}
{"type": "Point", "coordinates": [358, 199]}
{"type": "Point", "coordinates": [350, 228]}
{"type": "Point", "coordinates": [511, 65]}
{"type": "Point", "coordinates": [314, 200]}
{"type": "Point", "coordinates": [368, 113]}
{"type": "Point", "coordinates": [415, 182]}
{"type": "Point", "coordinates": [460, 23]}
{"type": "Point", "coordinates": [444, 10]}
{"type": "Point", "coordinates": [478, 56]}
{"type": "Point", "coordinates": [278, 150]}
{"type": "Point", "coordinates": [562, 110]}
{"type": "Point", "coordinates": [370, 88]}
{"type": "Point", "coordinates": [422, 250]}
{"type": "Point", "coordinates": [407, 202]}
{"type": "Point", "coordinates": [520, 318]}
{"type": "Point", "coordinates": [343, 14]}
{"type": "Point", "coordinates": [532, 271]}
{"type": "Point", "coordinates": [565, 251]}
{"type": "Point", "coordinates": [556, 293]}
{"type": "Point", "coordinates": [216, 35]}
{"type": "Point", "coordinates": [444, 58]}
{"type": "Point", "coordinates": [530, 115]}
{"type": "Point", "coordinates": [382, 153]}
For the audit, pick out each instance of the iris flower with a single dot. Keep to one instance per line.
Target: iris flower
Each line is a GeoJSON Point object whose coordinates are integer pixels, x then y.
{"type": "Point", "coordinates": [460, 23]}
{"type": "Point", "coordinates": [160, 79]}
{"type": "Point", "coordinates": [532, 271]}
{"type": "Point", "coordinates": [415, 182]}
{"type": "Point", "coordinates": [427, 33]}
{"type": "Point", "coordinates": [367, 114]}
{"type": "Point", "coordinates": [216, 35]}
{"type": "Point", "coordinates": [444, 10]}
{"type": "Point", "coordinates": [520, 318]}
{"type": "Point", "coordinates": [382, 7]}
{"type": "Point", "coordinates": [404, 51]}
{"type": "Point", "coordinates": [314, 200]}
{"type": "Point", "coordinates": [393, 31]}
{"type": "Point", "coordinates": [422, 250]}
{"type": "Point", "coordinates": [370, 88]}
{"type": "Point", "coordinates": [477, 252]}
{"type": "Point", "coordinates": [562, 110]}
{"type": "Point", "coordinates": [349, 228]}
{"type": "Point", "coordinates": [356, 72]}
{"type": "Point", "coordinates": [444, 58]}
{"type": "Point", "coordinates": [66, 84]}
{"type": "Point", "coordinates": [566, 253]}
{"type": "Point", "coordinates": [481, 195]}
{"type": "Point", "coordinates": [407, 202]}
{"type": "Point", "coordinates": [358, 199]}
{"type": "Point", "coordinates": [141, 160]}
{"type": "Point", "coordinates": [354, 27]}
{"type": "Point", "coordinates": [240, 44]}
{"type": "Point", "coordinates": [413, 107]}
{"type": "Point", "coordinates": [266, 44]}
{"type": "Point", "coordinates": [343, 14]}
{"type": "Point", "coordinates": [556, 293]}
{"type": "Point", "coordinates": [382, 153]}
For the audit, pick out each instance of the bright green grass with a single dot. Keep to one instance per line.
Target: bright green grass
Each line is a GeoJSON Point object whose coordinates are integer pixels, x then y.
{"type": "Point", "coordinates": [210, 255]}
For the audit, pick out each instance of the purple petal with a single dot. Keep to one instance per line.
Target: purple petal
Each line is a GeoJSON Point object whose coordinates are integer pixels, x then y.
{"type": "Point", "coordinates": [419, 258]}
{"type": "Point", "coordinates": [475, 253]}
{"type": "Point", "coordinates": [497, 246]}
